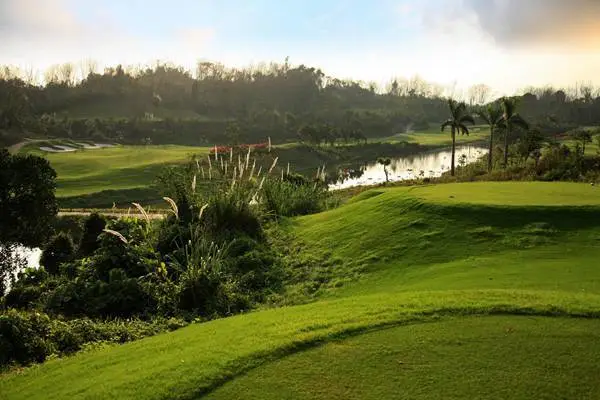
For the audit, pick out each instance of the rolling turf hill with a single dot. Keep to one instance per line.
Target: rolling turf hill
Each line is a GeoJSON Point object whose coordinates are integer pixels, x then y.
{"type": "Point", "coordinates": [474, 290]}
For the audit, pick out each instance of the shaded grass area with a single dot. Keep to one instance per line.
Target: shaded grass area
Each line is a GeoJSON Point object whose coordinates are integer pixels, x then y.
{"type": "Point", "coordinates": [469, 358]}
{"type": "Point", "coordinates": [107, 198]}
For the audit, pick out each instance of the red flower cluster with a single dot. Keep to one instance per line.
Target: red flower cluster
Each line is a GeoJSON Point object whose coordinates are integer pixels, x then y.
{"type": "Point", "coordinates": [227, 149]}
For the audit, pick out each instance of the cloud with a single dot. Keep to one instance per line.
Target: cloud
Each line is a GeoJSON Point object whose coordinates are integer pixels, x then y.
{"type": "Point", "coordinates": [26, 19]}
{"type": "Point", "coordinates": [44, 32]}
{"type": "Point", "coordinates": [547, 23]}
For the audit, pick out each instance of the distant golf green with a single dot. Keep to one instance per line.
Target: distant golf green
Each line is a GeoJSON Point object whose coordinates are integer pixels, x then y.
{"type": "Point", "coordinates": [122, 167]}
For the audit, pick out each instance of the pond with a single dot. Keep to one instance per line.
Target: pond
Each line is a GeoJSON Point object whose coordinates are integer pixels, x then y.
{"type": "Point", "coordinates": [31, 256]}
{"type": "Point", "coordinates": [423, 165]}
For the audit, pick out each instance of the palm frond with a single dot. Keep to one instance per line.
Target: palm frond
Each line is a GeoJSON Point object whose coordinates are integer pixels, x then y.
{"type": "Point", "coordinates": [461, 107]}
{"type": "Point", "coordinates": [463, 129]}
{"type": "Point", "coordinates": [518, 121]}
{"type": "Point", "coordinates": [508, 107]}
{"type": "Point", "coordinates": [452, 106]}
{"type": "Point", "coordinates": [491, 114]}
{"type": "Point", "coordinates": [446, 124]}
{"type": "Point", "coordinates": [484, 114]}
{"type": "Point", "coordinates": [467, 119]}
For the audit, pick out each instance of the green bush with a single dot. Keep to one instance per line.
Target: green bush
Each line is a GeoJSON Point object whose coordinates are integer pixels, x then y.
{"type": "Point", "coordinates": [59, 250]}
{"type": "Point", "coordinates": [290, 198]}
{"type": "Point", "coordinates": [92, 228]}
{"type": "Point", "coordinates": [28, 288]}
{"type": "Point", "coordinates": [229, 213]}
{"type": "Point", "coordinates": [28, 337]}
{"type": "Point", "coordinates": [24, 337]}
{"type": "Point", "coordinates": [118, 297]}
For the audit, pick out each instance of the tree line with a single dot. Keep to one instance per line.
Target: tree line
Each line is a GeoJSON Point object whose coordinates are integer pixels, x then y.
{"type": "Point", "coordinates": [169, 104]}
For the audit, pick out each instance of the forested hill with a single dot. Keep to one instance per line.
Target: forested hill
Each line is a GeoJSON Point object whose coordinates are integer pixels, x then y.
{"type": "Point", "coordinates": [168, 104]}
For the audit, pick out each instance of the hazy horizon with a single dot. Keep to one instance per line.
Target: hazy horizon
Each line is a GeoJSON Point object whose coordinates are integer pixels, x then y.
{"type": "Point", "coordinates": [506, 44]}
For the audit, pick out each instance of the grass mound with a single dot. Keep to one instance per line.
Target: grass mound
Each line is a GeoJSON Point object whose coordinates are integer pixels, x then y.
{"type": "Point", "coordinates": [470, 358]}
{"type": "Point", "coordinates": [403, 256]}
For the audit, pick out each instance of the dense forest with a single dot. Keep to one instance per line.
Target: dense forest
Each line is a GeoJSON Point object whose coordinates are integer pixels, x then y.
{"type": "Point", "coordinates": [215, 104]}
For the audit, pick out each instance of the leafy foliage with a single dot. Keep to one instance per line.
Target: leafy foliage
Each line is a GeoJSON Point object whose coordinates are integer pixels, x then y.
{"type": "Point", "coordinates": [59, 250]}
{"type": "Point", "coordinates": [92, 228]}
{"type": "Point", "coordinates": [27, 185]}
{"type": "Point", "coordinates": [27, 337]}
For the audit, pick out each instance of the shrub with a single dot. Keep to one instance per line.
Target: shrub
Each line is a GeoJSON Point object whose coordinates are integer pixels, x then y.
{"type": "Point", "coordinates": [229, 213]}
{"type": "Point", "coordinates": [92, 228]}
{"type": "Point", "coordinates": [59, 250]}
{"type": "Point", "coordinates": [24, 337]}
{"type": "Point", "coordinates": [28, 288]}
{"type": "Point", "coordinates": [288, 198]}
{"type": "Point", "coordinates": [27, 337]}
{"type": "Point", "coordinates": [119, 296]}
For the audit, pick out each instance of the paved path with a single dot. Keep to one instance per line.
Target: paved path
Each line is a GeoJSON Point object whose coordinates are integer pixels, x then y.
{"type": "Point", "coordinates": [111, 214]}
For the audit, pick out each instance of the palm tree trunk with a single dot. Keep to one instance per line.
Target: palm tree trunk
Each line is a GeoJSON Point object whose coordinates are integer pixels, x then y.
{"type": "Point", "coordinates": [491, 149]}
{"type": "Point", "coordinates": [453, 151]}
{"type": "Point", "coordinates": [506, 134]}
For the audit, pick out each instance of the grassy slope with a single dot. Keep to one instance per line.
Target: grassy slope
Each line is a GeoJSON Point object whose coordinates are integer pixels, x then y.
{"type": "Point", "coordinates": [418, 260]}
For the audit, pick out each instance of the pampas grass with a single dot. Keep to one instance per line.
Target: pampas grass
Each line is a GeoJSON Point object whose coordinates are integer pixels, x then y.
{"type": "Point", "coordinates": [143, 212]}
{"type": "Point", "coordinates": [116, 234]}
{"type": "Point", "coordinates": [202, 211]}
{"type": "Point", "coordinates": [173, 205]}
{"type": "Point", "coordinates": [273, 165]}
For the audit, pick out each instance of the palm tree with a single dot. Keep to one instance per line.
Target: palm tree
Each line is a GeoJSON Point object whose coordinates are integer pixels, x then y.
{"type": "Point", "coordinates": [457, 123]}
{"type": "Point", "coordinates": [492, 115]}
{"type": "Point", "coordinates": [510, 119]}
{"type": "Point", "coordinates": [385, 162]}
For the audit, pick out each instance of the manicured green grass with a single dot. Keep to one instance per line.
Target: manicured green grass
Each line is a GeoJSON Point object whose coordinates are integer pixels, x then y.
{"type": "Point", "coordinates": [468, 358]}
{"type": "Point", "coordinates": [591, 149]}
{"type": "Point", "coordinates": [389, 258]}
{"type": "Point", "coordinates": [92, 171]}
{"type": "Point", "coordinates": [192, 361]}
{"type": "Point", "coordinates": [122, 167]}
{"type": "Point", "coordinates": [434, 137]}
{"type": "Point", "coordinates": [394, 232]}
{"type": "Point", "coordinates": [512, 193]}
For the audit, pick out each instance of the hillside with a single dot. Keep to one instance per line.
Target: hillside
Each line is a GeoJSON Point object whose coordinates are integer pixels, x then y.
{"type": "Point", "coordinates": [496, 267]}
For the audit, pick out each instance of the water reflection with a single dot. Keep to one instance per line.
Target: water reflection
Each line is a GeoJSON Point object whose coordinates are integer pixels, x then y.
{"type": "Point", "coordinates": [422, 165]}
{"type": "Point", "coordinates": [31, 256]}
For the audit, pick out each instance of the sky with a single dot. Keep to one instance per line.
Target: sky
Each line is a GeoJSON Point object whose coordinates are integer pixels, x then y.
{"type": "Point", "coordinates": [506, 44]}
